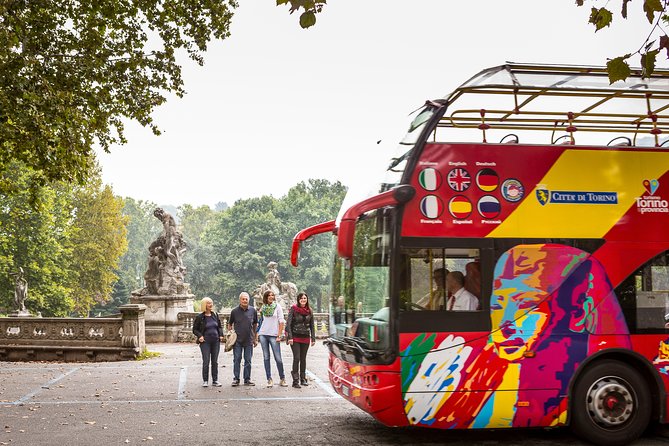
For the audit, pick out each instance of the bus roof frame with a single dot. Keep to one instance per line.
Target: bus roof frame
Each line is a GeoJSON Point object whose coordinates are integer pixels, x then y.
{"type": "Point", "coordinates": [527, 82]}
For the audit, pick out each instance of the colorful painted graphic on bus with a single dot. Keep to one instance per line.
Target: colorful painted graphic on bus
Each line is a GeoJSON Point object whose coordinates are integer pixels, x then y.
{"type": "Point", "coordinates": [553, 305]}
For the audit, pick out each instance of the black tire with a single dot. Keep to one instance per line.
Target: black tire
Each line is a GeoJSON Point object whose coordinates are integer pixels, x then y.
{"type": "Point", "coordinates": [625, 409]}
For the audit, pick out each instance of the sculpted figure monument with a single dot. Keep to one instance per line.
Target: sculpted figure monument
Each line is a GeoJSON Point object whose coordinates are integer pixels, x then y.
{"type": "Point", "coordinates": [20, 293]}
{"type": "Point", "coordinates": [165, 273]}
{"type": "Point", "coordinates": [285, 292]}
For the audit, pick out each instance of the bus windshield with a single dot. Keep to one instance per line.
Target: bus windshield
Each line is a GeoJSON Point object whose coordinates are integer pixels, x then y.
{"type": "Point", "coordinates": [359, 306]}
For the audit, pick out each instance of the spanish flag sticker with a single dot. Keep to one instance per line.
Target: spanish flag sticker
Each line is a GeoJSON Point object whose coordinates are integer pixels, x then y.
{"type": "Point", "coordinates": [460, 207]}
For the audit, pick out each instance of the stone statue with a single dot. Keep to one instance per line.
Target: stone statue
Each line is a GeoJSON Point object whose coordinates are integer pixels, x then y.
{"type": "Point", "coordinates": [20, 291]}
{"type": "Point", "coordinates": [285, 292]}
{"type": "Point", "coordinates": [165, 273]}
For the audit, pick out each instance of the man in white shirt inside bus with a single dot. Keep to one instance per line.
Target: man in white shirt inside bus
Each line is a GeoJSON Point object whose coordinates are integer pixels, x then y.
{"type": "Point", "coordinates": [460, 299]}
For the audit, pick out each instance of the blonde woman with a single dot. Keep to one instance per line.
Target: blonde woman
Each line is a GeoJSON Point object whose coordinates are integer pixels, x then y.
{"type": "Point", "coordinates": [209, 334]}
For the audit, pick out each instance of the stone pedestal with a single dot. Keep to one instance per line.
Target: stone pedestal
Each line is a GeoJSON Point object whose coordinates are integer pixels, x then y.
{"type": "Point", "coordinates": [21, 313]}
{"type": "Point", "coordinates": [161, 317]}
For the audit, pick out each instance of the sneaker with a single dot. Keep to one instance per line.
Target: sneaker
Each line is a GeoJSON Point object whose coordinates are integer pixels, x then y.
{"type": "Point", "coordinates": [205, 384]}
{"type": "Point", "coordinates": [304, 382]}
{"type": "Point", "coordinates": [270, 383]}
{"type": "Point", "coordinates": [249, 383]}
{"type": "Point", "coordinates": [283, 383]}
{"type": "Point", "coordinates": [216, 384]}
{"type": "Point", "coordinates": [296, 384]}
{"type": "Point", "coordinates": [235, 382]}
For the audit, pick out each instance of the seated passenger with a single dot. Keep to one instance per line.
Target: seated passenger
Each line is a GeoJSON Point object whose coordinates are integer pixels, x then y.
{"type": "Point", "coordinates": [473, 278]}
{"type": "Point", "coordinates": [435, 299]}
{"type": "Point", "coordinates": [461, 299]}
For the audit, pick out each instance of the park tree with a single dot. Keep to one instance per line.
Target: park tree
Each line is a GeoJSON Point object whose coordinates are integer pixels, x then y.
{"type": "Point", "coordinates": [656, 42]}
{"type": "Point", "coordinates": [98, 241]}
{"type": "Point", "coordinates": [72, 72]}
{"type": "Point", "coordinates": [199, 257]}
{"type": "Point", "coordinates": [67, 239]}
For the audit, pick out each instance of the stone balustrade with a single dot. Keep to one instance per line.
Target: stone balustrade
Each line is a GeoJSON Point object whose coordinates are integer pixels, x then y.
{"type": "Point", "coordinates": [74, 339]}
{"type": "Point", "coordinates": [321, 325]}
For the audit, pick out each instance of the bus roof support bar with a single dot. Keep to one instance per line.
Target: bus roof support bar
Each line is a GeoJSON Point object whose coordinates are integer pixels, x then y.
{"type": "Point", "coordinates": [304, 234]}
{"type": "Point", "coordinates": [346, 234]}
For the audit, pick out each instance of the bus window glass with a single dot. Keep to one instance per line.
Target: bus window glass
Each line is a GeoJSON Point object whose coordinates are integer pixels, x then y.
{"type": "Point", "coordinates": [644, 296]}
{"type": "Point", "coordinates": [360, 294]}
{"type": "Point", "coordinates": [441, 279]}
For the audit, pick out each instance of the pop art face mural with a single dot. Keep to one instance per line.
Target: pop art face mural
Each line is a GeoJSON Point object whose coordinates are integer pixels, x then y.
{"type": "Point", "coordinates": [547, 303]}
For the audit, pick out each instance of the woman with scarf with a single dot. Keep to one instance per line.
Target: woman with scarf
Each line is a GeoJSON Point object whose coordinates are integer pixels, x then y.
{"type": "Point", "coordinates": [301, 333]}
{"type": "Point", "coordinates": [270, 334]}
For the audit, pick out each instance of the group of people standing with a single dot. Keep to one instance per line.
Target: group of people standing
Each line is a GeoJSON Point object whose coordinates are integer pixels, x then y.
{"type": "Point", "coordinates": [268, 326]}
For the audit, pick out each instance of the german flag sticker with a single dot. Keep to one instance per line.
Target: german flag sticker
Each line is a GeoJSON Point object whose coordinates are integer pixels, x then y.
{"type": "Point", "coordinates": [487, 180]}
{"type": "Point", "coordinates": [460, 207]}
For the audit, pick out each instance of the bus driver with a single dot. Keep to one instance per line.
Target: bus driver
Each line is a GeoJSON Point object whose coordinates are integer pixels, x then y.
{"type": "Point", "coordinates": [460, 299]}
{"type": "Point", "coordinates": [435, 299]}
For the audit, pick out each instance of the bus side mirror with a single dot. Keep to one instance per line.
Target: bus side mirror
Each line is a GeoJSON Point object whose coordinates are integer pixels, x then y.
{"type": "Point", "coordinates": [398, 195]}
{"type": "Point", "coordinates": [304, 234]}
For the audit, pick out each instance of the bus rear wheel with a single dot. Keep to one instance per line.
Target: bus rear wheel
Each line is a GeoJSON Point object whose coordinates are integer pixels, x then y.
{"type": "Point", "coordinates": [611, 404]}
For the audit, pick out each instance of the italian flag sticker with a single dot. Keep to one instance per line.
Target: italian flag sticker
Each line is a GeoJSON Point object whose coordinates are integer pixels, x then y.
{"type": "Point", "coordinates": [429, 179]}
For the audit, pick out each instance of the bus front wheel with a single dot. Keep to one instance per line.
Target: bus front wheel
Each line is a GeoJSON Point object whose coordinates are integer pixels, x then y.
{"type": "Point", "coordinates": [611, 404]}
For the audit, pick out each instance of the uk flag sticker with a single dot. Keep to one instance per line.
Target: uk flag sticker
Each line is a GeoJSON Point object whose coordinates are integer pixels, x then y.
{"type": "Point", "coordinates": [459, 180]}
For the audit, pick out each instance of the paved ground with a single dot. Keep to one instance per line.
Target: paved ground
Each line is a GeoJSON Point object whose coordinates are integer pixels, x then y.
{"type": "Point", "coordinates": [161, 401]}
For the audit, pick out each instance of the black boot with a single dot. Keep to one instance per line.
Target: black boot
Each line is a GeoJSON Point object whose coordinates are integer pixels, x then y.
{"type": "Point", "coordinates": [296, 380]}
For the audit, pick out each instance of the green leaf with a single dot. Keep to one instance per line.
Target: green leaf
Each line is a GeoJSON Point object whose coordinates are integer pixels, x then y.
{"type": "Point", "coordinates": [307, 19]}
{"type": "Point", "coordinates": [281, 2]}
{"type": "Point", "coordinates": [650, 7]}
{"type": "Point", "coordinates": [618, 69]}
{"type": "Point", "coordinates": [648, 62]}
{"type": "Point", "coordinates": [600, 18]}
{"type": "Point", "coordinates": [664, 44]}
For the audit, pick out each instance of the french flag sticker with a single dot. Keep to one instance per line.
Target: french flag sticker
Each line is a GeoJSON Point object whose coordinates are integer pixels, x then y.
{"type": "Point", "coordinates": [429, 179]}
{"type": "Point", "coordinates": [431, 206]}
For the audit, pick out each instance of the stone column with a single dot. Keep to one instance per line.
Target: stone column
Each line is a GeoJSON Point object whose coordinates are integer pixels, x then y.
{"type": "Point", "coordinates": [133, 326]}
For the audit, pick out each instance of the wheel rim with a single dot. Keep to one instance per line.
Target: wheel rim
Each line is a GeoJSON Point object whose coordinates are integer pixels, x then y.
{"type": "Point", "coordinates": [610, 401]}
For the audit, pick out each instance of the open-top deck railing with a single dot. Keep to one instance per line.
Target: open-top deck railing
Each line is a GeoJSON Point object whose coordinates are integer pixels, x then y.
{"type": "Point", "coordinates": [560, 98]}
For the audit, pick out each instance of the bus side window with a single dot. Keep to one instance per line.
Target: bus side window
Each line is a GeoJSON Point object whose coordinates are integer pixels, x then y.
{"type": "Point", "coordinates": [644, 296]}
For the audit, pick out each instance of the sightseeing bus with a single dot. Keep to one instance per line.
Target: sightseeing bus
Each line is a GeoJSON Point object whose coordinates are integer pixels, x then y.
{"type": "Point", "coordinates": [541, 194]}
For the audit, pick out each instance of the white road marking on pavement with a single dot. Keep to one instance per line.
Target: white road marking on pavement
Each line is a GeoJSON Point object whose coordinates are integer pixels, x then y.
{"type": "Point", "coordinates": [325, 386]}
{"type": "Point", "coordinates": [198, 400]}
{"type": "Point", "coordinates": [183, 375]}
{"type": "Point", "coordinates": [26, 397]}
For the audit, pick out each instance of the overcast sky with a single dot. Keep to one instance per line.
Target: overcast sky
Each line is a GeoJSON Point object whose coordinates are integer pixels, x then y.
{"type": "Point", "coordinates": [275, 104]}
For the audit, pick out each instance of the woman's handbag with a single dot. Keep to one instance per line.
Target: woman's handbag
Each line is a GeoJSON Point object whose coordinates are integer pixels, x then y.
{"type": "Point", "coordinates": [230, 340]}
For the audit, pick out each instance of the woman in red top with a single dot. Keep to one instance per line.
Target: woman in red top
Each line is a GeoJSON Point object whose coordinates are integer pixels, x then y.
{"type": "Point", "coordinates": [301, 333]}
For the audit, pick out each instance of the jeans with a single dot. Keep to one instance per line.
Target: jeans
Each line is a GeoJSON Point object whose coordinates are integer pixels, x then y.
{"type": "Point", "coordinates": [209, 351]}
{"type": "Point", "coordinates": [238, 350]}
{"type": "Point", "coordinates": [266, 342]}
{"type": "Point", "coordinates": [299, 360]}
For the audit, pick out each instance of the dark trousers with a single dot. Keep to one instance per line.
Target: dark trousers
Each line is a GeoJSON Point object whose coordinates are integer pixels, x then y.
{"type": "Point", "coordinates": [299, 360]}
{"type": "Point", "coordinates": [210, 351]}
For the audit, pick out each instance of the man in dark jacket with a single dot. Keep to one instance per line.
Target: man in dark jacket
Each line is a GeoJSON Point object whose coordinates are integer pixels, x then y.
{"type": "Point", "coordinates": [244, 319]}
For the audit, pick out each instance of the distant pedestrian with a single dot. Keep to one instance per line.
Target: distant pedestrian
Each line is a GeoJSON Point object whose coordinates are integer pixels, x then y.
{"type": "Point", "coordinates": [209, 334]}
{"type": "Point", "coordinates": [301, 334]}
{"type": "Point", "coordinates": [270, 334]}
{"type": "Point", "coordinates": [244, 320]}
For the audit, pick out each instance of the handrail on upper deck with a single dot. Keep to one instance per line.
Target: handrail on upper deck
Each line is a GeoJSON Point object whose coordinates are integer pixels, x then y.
{"type": "Point", "coordinates": [578, 98]}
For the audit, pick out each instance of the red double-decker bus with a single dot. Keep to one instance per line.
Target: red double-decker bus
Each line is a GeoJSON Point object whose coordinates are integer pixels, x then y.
{"type": "Point", "coordinates": [511, 269]}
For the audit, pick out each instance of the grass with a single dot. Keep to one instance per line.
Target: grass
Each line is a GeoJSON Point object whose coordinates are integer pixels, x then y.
{"type": "Point", "coordinates": [146, 354]}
